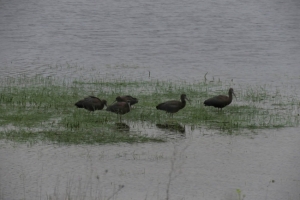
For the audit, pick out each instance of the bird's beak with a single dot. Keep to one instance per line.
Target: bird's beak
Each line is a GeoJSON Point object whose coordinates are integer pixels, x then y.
{"type": "Point", "coordinates": [188, 100]}
{"type": "Point", "coordinates": [234, 95]}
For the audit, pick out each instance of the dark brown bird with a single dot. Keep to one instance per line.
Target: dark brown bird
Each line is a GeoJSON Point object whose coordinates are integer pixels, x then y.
{"type": "Point", "coordinates": [91, 103]}
{"type": "Point", "coordinates": [173, 106]}
{"type": "Point", "coordinates": [126, 98]}
{"type": "Point", "coordinates": [120, 108]}
{"type": "Point", "coordinates": [220, 101]}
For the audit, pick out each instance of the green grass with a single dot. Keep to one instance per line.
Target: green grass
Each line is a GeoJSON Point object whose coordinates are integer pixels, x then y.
{"type": "Point", "coordinates": [43, 109]}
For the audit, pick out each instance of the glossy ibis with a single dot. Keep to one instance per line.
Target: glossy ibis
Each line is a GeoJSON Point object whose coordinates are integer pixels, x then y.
{"type": "Point", "coordinates": [173, 106]}
{"type": "Point", "coordinates": [220, 101]}
{"type": "Point", "coordinates": [126, 98]}
{"type": "Point", "coordinates": [120, 108]}
{"type": "Point", "coordinates": [91, 103]}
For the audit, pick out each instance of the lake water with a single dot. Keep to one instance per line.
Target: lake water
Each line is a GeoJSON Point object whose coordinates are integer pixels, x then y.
{"type": "Point", "coordinates": [250, 42]}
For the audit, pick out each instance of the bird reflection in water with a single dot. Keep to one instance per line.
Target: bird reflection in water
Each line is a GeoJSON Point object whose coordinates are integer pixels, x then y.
{"type": "Point", "coordinates": [122, 127]}
{"type": "Point", "coordinates": [172, 126]}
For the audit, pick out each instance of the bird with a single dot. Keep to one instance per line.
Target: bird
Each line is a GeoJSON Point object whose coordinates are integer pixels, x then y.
{"type": "Point", "coordinates": [220, 101]}
{"type": "Point", "coordinates": [173, 106]}
{"type": "Point", "coordinates": [127, 98]}
{"type": "Point", "coordinates": [91, 103]}
{"type": "Point", "coordinates": [120, 108]}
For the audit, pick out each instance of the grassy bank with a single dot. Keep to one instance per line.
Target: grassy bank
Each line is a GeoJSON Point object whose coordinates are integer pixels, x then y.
{"type": "Point", "coordinates": [38, 108]}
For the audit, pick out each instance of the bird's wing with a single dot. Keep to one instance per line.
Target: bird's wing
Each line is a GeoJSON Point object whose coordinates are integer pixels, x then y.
{"type": "Point", "coordinates": [92, 99]}
{"type": "Point", "coordinates": [172, 103]}
{"type": "Point", "coordinates": [221, 97]}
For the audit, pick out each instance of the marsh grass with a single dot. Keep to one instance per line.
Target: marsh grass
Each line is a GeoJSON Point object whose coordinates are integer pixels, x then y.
{"type": "Point", "coordinates": [47, 104]}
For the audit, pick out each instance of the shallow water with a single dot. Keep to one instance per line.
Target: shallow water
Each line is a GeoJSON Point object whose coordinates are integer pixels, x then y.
{"type": "Point", "coordinates": [203, 166]}
{"type": "Point", "coordinates": [249, 42]}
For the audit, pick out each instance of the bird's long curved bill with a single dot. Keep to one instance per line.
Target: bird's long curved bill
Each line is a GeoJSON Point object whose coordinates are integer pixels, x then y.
{"type": "Point", "coordinates": [234, 95]}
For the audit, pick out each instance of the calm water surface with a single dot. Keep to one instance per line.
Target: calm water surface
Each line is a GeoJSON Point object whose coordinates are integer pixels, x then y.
{"type": "Point", "coordinates": [252, 42]}
{"type": "Point", "coordinates": [249, 41]}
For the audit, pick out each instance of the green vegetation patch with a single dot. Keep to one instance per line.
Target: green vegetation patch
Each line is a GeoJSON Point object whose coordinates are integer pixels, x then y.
{"type": "Point", "coordinates": [39, 108]}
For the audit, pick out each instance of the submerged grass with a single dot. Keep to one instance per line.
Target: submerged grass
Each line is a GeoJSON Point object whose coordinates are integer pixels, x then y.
{"type": "Point", "coordinates": [39, 108]}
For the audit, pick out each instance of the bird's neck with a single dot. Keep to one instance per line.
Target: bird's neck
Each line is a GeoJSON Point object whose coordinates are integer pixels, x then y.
{"type": "Point", "coordinates": [230, 97]}
{"type": "Point", "coordinates": [183, 102]}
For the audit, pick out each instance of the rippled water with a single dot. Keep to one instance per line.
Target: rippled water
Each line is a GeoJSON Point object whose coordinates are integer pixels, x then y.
{"type": "Point", "coordinates": [248, 41]}
{"type": "Point", "coordinates": [252, 42]}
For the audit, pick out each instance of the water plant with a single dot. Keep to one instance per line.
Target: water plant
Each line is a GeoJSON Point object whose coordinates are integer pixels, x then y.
{"type": "Point", "coordinates": [239, 193]}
